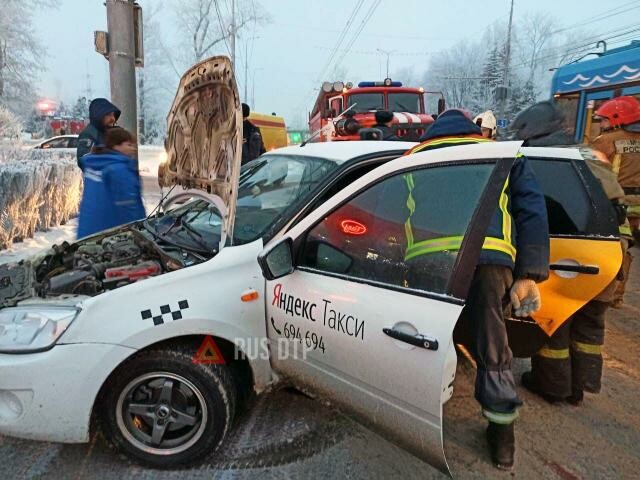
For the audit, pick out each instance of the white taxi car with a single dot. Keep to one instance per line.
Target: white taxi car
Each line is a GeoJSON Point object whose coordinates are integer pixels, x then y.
{"type": "Point", "coordinates": [310, 284]}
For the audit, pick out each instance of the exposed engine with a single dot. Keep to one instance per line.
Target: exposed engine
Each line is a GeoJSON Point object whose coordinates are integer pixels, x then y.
{"type": "Point", "coordinates": [88, 267]}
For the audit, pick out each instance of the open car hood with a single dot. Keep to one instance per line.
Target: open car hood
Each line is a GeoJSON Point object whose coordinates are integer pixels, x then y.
{"type": "Point", "coordinates": [204, 134]}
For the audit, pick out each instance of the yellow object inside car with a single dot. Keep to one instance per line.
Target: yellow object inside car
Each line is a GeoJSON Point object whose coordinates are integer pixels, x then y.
{"type": "Point", "coordinates": [272, 129]}
{"type": "Point", "coordinates": [565, 292]}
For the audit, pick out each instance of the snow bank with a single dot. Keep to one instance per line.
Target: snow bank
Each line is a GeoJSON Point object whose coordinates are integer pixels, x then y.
{"type": "Point", "coordinates": [39, 189]}
{"type": "Point", "coordinates": [149, 158]}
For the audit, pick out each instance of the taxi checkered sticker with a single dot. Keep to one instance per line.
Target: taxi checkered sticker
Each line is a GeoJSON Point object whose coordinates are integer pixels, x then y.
{"type": "Point", "coordinates": [166, 313]}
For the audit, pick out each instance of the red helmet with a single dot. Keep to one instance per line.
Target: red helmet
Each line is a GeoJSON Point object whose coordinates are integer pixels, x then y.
{"type": "Point", "coordinates": [620, 111]}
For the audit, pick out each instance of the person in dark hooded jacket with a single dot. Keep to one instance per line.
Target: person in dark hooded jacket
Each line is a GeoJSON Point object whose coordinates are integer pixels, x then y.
{"type": "Point", "coordinates": [514, 258]}
{"type": "Point", "coordinates": [112, 194]}
{"type": "Point", "coordinates": [102, 115]}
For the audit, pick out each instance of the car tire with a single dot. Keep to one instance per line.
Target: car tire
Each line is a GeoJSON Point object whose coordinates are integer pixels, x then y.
{"type": "Point", "coordinates": [162, 410]}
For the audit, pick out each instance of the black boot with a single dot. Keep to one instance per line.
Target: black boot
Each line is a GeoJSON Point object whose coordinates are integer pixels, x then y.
{"type": "Point", "coordinates": [576, 397]}
{"type": "Point", "coordinates": [528, 382]}
{"type": "Point", "coordinates": [502, 444]}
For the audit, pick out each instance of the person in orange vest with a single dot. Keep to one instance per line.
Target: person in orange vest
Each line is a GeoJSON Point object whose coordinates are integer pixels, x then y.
{"type": "Point", "coordinates": [514, 258]}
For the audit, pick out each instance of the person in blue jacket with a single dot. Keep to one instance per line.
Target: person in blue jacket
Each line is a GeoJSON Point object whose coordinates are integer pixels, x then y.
{"type": "Point", "coordinates": [514, 258]}
{"type": "Point", "coordinates": [112, 194]}
{"type": "Point", "coordinates": [102, 115]}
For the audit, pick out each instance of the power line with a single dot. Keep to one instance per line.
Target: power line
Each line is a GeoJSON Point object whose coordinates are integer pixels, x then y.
{"type": "Point", "coordinates": [363, 24]}
{"type": "Point", "coordinates": [584, 44]}
{"type": "Point", "coordinates": [222, 30]}
{"type": "Point", "coordinates": [341, 38]}
{"type": "Point", "coordinates": [600, 16]}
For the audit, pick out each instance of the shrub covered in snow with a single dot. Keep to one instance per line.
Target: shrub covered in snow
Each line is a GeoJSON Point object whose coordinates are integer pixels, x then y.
{"type": "Point", "coordinates": [10, 126]}
{"type": "Point", "coordinates": [39, 189]}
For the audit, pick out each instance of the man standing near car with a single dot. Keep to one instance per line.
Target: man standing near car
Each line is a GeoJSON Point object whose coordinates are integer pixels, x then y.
{"type": "Point", "coordinates": [619, 140]}
{"type": "Point", "coordinates": [514, 258]}
{"type": "Point", "coordinates": [383, 122]}
{"type": "Point", "coordinates": [570, 362]}
{"type": "Point", "coordinates": [252, 144]}
{"type": "Point", "coordinates": [102, 115]}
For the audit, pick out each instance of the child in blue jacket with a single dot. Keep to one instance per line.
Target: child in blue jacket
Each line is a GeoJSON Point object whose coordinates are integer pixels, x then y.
{"type": "Point", "coordinates": [112, 194]}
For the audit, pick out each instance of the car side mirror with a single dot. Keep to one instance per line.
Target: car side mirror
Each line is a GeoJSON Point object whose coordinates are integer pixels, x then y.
{"type": "Point", "coordinates": [277, 261]}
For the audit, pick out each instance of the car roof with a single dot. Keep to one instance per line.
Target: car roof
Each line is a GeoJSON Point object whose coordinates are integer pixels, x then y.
{"type": "Point", "coordinates": [570, 153]}
{"type": "Point", "coordinates": [342, 151]}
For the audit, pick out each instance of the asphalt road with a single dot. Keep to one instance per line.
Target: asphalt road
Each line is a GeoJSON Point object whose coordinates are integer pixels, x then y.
{"type": "Point", "coordinates": [288, 435]}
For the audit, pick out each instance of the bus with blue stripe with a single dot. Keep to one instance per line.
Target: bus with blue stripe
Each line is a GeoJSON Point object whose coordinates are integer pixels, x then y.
{"type": "Point", "coordinates": [579, 88]}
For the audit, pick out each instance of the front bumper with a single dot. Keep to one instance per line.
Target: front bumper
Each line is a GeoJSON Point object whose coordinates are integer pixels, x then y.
{"type": "Point", "coordinates": [50, 395]}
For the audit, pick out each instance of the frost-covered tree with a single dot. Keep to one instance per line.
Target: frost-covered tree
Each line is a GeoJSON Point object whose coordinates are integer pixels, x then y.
{"type": "Point", "coordinates": [10, 125]}
{"type": "Point", "coordinates": [20, 53]}
{"type": "Point", "coordinates": [205, 25]}
{"type": "Point", "coordinates": [156, 83]}
{"type": "Point", "coordinates": [80, 108]}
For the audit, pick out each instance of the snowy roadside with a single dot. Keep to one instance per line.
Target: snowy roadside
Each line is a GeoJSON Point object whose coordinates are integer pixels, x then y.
{"type": "Point", "coordinates": [43, 240]}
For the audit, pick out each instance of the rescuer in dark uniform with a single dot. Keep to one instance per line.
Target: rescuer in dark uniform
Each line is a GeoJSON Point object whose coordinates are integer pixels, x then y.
{"type": "Point", "coordinates": [252, 144]}
{"type": "Point", "coordinates": [571, 361]}
{"type": "Point", "coordinates": [383, 120]}
{"type": "Point", "coordinates": [514, 258]}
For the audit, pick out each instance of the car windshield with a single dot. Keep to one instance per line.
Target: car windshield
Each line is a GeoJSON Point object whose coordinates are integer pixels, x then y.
{"type": "Point", "coordinates": [404, 102]}
{"type": "Point", "coordinates": [271, 189]}
{"type": "Point", "coordinates": [365, 102]}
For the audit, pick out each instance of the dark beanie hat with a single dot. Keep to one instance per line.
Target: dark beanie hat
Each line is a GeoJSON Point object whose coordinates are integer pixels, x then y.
{"type": "Point", "coordinates": [245, 110]}
{"type": "Point", "coordinates": [450, 123]}
{"type": "Point", "coordinates": [383, 116]}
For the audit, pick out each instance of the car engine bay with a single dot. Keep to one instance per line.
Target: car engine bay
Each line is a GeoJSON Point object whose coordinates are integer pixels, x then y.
{"type": "Point", "coordinates": [92, 266]}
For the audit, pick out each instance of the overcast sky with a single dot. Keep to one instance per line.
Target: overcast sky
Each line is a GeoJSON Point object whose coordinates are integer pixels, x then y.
{"type": "Point", "coordinates": [291, 51]}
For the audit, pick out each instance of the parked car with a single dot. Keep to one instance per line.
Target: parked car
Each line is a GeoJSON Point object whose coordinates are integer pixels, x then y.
{"type": "Point", "coordinates": [61, 141]}
{"type": "Point", "coordinates": [292, 267]}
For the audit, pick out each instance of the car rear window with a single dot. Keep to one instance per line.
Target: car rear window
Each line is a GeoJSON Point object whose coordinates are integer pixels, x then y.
{"type": "Point", "coordinates": [570, 207]}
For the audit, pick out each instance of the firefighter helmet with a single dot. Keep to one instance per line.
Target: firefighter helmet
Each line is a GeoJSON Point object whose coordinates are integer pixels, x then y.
{"type": "Point", "coordinates": [620, 111]}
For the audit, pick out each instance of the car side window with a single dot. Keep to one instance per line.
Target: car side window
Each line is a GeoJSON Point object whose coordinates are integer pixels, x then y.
{"type": "Point", "coordinates": [73, 142]}
{"type": "Point", "coordinates": [568, 205]}
{"type": "Point", "coordinates": [404, 231]}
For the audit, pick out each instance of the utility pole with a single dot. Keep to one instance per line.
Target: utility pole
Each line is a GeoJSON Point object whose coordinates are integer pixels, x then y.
{"type": "Point", "coordinates": [507, 52]}
{"type": "Point", "coordinates": [233, 34]}
{"type": "Point", "coordinates": [246, 68]}
{"type": "Point", "coordinates": [504, 89]}
{"type": "Point", "coordinates": [121, 56]}
{"type": "Point", "coordinates": [388, 54]}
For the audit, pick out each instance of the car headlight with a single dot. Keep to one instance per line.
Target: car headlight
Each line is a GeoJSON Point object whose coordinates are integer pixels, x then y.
{"type": "Point", "coordinates": [25, 330]}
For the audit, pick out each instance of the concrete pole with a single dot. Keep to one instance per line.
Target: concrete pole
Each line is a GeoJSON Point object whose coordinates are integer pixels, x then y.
{"type": "Point", "coordinates": [233, 35]}
{"type": "Point", "coordinates": [122, 72]}
{"type": "Point", "coordinates": [505, 71]}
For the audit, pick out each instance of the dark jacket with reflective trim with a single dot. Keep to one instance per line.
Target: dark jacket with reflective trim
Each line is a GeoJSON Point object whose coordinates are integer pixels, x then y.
{"type": "Point", "coordinates": [111, 195]}
{"type": "Point", "coordinates": [524, 203]}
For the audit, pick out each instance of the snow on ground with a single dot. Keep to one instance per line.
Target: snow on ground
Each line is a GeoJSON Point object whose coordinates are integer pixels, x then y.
{"type": "Point", "coordinates": [57, 235]}
{"type": "Point", "coordinates": [40, 241]}
{"type": "Point", "coordinates": [149, 158]}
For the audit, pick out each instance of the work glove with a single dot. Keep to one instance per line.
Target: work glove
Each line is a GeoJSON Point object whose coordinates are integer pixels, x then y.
{"type": "Point", "coordinates": [525, 297]}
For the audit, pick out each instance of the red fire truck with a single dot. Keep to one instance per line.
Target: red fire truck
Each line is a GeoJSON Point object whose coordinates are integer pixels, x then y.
{"type": "Point", "coordinates": [342, 110]}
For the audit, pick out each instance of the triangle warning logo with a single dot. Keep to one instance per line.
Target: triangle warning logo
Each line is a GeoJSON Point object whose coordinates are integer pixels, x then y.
{"type": "Point", "coordinates": [209, 353]}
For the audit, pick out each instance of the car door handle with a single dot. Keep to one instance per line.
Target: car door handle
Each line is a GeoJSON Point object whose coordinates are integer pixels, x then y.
{"type": "Point", "coordinates": [418, 339]}
{"type": "Point", "coordinates": [586, 269]}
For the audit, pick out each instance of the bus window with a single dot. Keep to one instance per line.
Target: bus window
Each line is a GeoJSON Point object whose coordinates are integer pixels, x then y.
{"type": "Point", "coordinates": [568, 104]}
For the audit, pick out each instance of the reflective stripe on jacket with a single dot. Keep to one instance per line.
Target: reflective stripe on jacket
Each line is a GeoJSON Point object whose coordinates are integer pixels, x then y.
{"type": "Point", "coordinates": [518, 235]}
